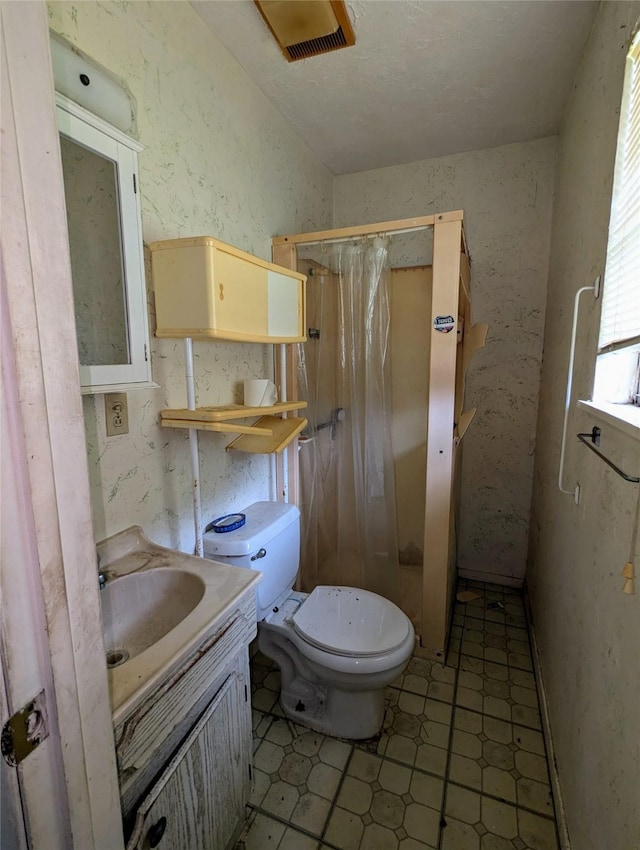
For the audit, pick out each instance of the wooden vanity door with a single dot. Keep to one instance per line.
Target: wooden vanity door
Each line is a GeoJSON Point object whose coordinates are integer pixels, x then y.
{"type": "Point", "coordinates": [199, 800]}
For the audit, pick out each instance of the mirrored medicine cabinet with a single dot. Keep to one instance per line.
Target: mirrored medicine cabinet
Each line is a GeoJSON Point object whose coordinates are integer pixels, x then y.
{"type": "Point", "coordinates": [99, 165]}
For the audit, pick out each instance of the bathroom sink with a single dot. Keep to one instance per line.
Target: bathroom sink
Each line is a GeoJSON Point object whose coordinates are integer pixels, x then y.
{"type": "Point", "coordinates": [159, 606]}
{"type": "Point", "coordinates": [140, 608]}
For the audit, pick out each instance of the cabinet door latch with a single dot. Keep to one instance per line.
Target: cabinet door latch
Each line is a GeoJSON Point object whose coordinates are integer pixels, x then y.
{"type": "Point", "coordinates": [25, 730]}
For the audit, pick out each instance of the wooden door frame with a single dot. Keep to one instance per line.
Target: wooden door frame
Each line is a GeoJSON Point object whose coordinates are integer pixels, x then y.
{"type": "Point", "coordinates": [449, 246]}
{"type": "Point", "coordinates": [53, 566]}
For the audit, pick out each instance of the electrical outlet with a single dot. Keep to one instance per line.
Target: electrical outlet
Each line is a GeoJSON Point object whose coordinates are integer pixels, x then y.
{"type": "Point", "coordinates": [117, 413]}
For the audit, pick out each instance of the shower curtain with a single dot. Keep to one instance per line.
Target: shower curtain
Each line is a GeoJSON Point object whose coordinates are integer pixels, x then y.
{"type": "Point", "coordinates": [346, 462]}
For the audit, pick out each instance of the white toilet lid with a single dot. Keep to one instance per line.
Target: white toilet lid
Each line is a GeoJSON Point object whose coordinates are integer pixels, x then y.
{"type": "Point", "coordinates": [349, 621]}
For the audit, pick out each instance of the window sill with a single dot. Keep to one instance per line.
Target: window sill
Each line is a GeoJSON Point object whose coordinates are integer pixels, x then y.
{"type": "Point", "coordinates": [625, 417]}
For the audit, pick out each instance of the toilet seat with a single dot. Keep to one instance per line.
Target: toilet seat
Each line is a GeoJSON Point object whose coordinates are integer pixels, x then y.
{"type": "Point", "coordinates": [281, 621]}
{"type": "Point", "coordinates": [351, 622]}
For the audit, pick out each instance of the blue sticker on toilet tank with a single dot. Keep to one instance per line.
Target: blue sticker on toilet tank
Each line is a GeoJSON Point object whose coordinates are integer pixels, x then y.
{"type": "Point", "coordinates": [444, 324]}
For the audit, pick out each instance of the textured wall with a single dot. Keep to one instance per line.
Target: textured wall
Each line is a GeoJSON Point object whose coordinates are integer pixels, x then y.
{"type": "Point", "coordinates": [506, 194]}
{"type": "Point", "coordinates": [587, 630]}
{"type": "Point", "coordinates": [219, 161]}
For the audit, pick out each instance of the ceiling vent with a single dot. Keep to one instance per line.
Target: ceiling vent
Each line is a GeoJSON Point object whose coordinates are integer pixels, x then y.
{"type": "Point", "coordinates": [305, 28]}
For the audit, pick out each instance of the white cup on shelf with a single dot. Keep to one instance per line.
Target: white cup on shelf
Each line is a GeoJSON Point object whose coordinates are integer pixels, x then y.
{"type": "Point", "coordinates": [259, 392]}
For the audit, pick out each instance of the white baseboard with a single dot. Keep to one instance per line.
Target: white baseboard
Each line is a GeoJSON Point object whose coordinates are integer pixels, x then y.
{"type": "Point", "coordinates": [493, 578]}
{"type": "Point", "coordinates": [561, 817]}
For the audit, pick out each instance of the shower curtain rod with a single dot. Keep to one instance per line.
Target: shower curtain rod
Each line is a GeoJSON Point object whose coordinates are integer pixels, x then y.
{"type": "Point", "coordinates": [334, 240]}
{"type": "Point", "coordinates": [342, 234]}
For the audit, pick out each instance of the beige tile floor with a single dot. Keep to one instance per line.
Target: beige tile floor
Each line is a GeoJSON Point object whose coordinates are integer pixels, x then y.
{"type": "Point", "coordinates": [459, 765]}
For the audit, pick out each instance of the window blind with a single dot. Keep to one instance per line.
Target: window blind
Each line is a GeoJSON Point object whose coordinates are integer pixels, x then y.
{"type": "Point", "coordinates": [620, 321]}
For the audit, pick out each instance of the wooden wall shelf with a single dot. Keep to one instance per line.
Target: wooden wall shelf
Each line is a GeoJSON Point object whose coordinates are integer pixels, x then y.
{"type": "Point", "coordinates": [270, 433]}
{"type": "Point", "coordinates": [283, 432]}
{"type": "Point", "coordinates": [230, 411]}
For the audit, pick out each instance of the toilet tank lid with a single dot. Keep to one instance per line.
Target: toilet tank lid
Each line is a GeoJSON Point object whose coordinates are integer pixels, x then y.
{"type": "Point", "coordinates": [349, 621]}
{"type": "Point", "coordinates": [263, 522]}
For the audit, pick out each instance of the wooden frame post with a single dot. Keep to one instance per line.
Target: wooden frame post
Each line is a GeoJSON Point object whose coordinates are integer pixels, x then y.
{"type": "Point", "coordinates": [438, 568]}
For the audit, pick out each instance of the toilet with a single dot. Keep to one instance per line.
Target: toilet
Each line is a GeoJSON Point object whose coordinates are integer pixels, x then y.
{"type": "Point", "coordinates": [337, 648]}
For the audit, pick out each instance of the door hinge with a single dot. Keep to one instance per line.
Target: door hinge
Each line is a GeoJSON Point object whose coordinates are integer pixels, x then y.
{"type": "Point", "coordinates": [146, 354]}
{"type": "Point", "coordinates": [135, 185]}
{"type": "Point", "coordinates": [250, 773]}
{"type": "Point", "coordinates": [25, 730]}
{"type": "Point", "coordinates": [246, 696]}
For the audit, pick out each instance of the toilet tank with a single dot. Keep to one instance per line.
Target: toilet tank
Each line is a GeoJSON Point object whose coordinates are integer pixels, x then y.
{"type": "Point", "coordinates": [269, 541]}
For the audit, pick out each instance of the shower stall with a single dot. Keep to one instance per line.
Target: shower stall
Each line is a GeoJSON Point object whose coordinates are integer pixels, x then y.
{"type": "Point", "coordinates": [376, 471]}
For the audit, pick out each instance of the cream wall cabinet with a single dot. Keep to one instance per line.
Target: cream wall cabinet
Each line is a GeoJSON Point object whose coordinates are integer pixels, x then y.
{"type": "Point", "coordinates": [206, 289]}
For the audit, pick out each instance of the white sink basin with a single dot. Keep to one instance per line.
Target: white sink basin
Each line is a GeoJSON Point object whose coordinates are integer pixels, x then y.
{"type": "Point", "coordinates": [158, 607]}
{"type": "Point", "coordinates": [140, 608]}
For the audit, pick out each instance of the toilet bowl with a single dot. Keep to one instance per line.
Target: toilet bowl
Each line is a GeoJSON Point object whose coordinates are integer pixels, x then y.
{"type": "Point", "coordinates": [337, 648]}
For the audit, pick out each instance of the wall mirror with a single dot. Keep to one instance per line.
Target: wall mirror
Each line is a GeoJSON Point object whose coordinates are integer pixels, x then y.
{"type": "Point", "coordinates": [99, 165]}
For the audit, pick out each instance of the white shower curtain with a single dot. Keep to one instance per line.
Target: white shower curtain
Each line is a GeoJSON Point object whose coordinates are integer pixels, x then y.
{"type": "Point", "coordinates": [347, 482]}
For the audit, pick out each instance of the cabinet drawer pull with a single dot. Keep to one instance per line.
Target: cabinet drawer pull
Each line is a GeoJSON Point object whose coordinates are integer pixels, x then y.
{"type": "Point", "coordinates": [156, 832]}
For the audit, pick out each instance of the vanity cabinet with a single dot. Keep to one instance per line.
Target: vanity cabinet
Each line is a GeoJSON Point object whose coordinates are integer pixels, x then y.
{"type": "Point", "coordinates": [184, 754]}
{"type": "Point", "coordinates": [199, 800]}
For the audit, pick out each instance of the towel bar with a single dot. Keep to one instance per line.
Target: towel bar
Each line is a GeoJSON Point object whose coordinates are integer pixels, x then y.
{"type": "Point", "coordinates": [594, 437]}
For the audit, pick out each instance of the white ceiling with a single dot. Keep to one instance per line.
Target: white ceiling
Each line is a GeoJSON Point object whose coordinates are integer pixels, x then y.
{"type": "Point", "coordinates": [425, 78]}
